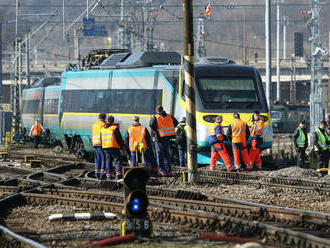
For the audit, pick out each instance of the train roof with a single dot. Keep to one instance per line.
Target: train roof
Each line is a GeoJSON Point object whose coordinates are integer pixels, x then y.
{"type": "Point", "coordinates": [225, 69]}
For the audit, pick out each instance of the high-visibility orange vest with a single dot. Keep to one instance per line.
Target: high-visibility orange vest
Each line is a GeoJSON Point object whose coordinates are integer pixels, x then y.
{"type": "Point", "coordinates": [96, 131]}
{"type": "Point", "coordinates": [165, 126]}
{"type": "Point", "coordinates": [213, 132]}
{"type": "Point", "coordinates": [136, 134]}
{"type": "Point", "coordinates": [257, 128]}
{"type": "Point", "coordinates": [238, 131]}
{"type": "Point", "coordinates": [108, 137]}
{"type": "Point", "coordinates": [36, 131]}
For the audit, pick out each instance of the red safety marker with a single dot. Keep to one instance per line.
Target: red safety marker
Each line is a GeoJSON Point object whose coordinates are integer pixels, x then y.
{"type": "Point", "coordinates": [113, 241]}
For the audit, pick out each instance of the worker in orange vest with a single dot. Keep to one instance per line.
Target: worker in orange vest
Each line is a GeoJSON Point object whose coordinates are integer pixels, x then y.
{"type": "Point", "coordinates": [36, 131]}
{"type": "Point", "coordinates": [216, 138]}
{"type": "Point", "coordinates": [257, 132]}
{"type": "Point", "coordinates": [99, 157]}
{"type": "Point", "coordinates": [239, 131]}
{"type": "Point", "coordinates": [112, 142]}
{"type": "Point", "coordinates": [163, 129]}
{"type": "Point", "coordinates": [138, 140]}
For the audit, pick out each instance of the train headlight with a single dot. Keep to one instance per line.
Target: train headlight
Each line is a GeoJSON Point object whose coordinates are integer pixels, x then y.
{"type": "Point", "coordinates": [209, 118]}
{"type": "Point", "coordinates": [264, 118]}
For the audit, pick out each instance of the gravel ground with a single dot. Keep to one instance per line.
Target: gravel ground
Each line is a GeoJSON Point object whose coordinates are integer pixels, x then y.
{"type": "Point", "coordinates": [269, 196]}
{"type": "Point", "coordinates": [272, 196]}
{"type": "Point", "coordinates": [60, 234]}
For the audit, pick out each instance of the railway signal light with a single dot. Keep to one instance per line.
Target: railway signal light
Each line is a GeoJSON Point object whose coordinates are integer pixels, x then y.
{"type": "Point", "coordinates": [208, 10]}
{"type": "Point", "coordinates": [136, 219]}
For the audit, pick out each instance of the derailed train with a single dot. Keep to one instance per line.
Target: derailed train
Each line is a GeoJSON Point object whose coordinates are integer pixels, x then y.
{"type": "Point", "coordinates": [129, 84]}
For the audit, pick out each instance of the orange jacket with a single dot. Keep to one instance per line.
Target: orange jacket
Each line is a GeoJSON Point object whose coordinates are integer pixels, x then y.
{"type": "Point", "coordinates": [257, 128]}
{"type": "Point", "coordinates": [165, 126]}
{"type": "Point", "coordinates": [108, 138]}
{"type": "Point", "coordinates": [36, 131]}
{"type": "Point", "coordinates": [136, 134]}
{"type": "Point", "coordinates": [238, 131]}
{"type": "Point", "coordinates": [96, 131]}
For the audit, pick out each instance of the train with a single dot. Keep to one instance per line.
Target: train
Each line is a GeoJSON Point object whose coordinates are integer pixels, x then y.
{"type": "Point", "coordinates": [286, 117]}
{"type": "Point", "coordinates": [127, 84]}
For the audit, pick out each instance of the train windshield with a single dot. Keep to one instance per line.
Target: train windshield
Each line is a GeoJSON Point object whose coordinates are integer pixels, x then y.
{"type": "Point", "coordinates": [228, 93]}
{"type": "Point", "coordinates": [275, 114]}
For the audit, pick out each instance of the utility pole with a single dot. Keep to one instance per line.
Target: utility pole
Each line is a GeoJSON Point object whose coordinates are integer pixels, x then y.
{"type": "Point", "coordinates": [16, 88]}
{"type": "Point", "coordinates": [188, 32]}
{"type": "Point", "coordinates": [201, 50]}
{"type": "Point", "coordinates": [285, 19]}
{"type": "Point", "coordinates": [245, 39]}
{"type": "Point", "coordinates": [128, 31]}
{"type": "Point", "coordinates": [293, 80]}
{"type": "Point", "coordinates": [76, 46]}
{"type": "Point", "coordinates": [27, 58]}
{"type": "Point", "coordinates": [20, 79]}
{"type": "Point", "coordinates": [149, 23]}
{"type": "Point", "coordinates": [268, 51]}
{"type": "Point", "coordinates": [316, 110]}
{"type": "Point", "coordinates": [278, 66]}
{"type": "Point", "coordinates": [121, 33]}
{"type": "Point", "coordinates": [63, 19]}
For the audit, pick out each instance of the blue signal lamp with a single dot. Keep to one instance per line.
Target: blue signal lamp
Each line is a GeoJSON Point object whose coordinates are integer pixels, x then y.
{"type": "Point", "coordinates": [136, 205]}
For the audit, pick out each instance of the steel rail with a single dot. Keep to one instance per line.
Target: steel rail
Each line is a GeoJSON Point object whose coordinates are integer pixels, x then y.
{"type": "Point", "coordinates": [241, 209]}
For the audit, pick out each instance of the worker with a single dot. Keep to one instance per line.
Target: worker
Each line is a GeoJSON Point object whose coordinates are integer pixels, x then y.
{"type": "Point", "coordinates": [181, 140]}
{"type": "Point", "coordinates": [216, 138]}
{"type": "Point", "coordinates": [256, 135]}
{"type": "Point", "coordinates": [36, 131]}
{"type": "Point", "coordinates": [300, 141]}
{"type": "Point", "coordinates": [320, 142]}
{"type": "Point", "coordinates": [99, 157]}
{"type": "Point", "coordinates": [163, 129]}
{"type": "Point", "coordinates": [238, 132]}
{"type": "Point", "coordinates": [112, 142]}
{"type": "Point", "coordinates": [138, 140]}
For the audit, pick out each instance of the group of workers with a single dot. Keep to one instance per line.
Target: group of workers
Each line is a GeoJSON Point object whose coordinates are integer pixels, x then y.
{"type": "Point", "coordinates": [107, 143]}
{"type": "Point", "coordinates": [237, 133]}
{"type": "Point", "coordinates": [320, 142]}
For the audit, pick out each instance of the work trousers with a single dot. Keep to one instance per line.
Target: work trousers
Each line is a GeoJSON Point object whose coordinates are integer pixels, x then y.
{"type": "Point", "coordinates": [163, 157]}
{"type": "Point", "coordinates": [182, 150]}
{"type": "Point", "coordinates": [301, 157]}
{"type": "Point", "coordinates": [255, 155]}
{"type": "Point", "coordinates": [135, 156]}
{"type": "Point", "coordinates": [150, 157]}
{"type": "Point", "coordinates": [99, 161]}
{"type": "Point", "coordinates": [219, 149]}
{"type": "Point", "coordinates": [36, 141]}
{"type": "Point", "coordinates": [321, 159]}
{"type": "Point", "coordinates": [113, 155]}
{"type": "Point", "coordinates": [241, 148]}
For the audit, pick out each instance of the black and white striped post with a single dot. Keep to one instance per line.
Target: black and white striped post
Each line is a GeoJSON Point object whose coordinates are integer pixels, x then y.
{"type": "Point", "coordinates": [188, 32]}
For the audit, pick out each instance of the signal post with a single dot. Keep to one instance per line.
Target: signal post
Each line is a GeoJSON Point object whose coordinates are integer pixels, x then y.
{"type": "Point", "coordinates": [136, 218]}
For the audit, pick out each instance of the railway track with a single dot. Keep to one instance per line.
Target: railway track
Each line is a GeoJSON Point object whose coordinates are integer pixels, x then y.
{"type": "Point", "coordinates": [214, 177]}
{"type": "Point", "coordinates": [197, 216]}
{"type": "Point", "coordinates": [189, 209]}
